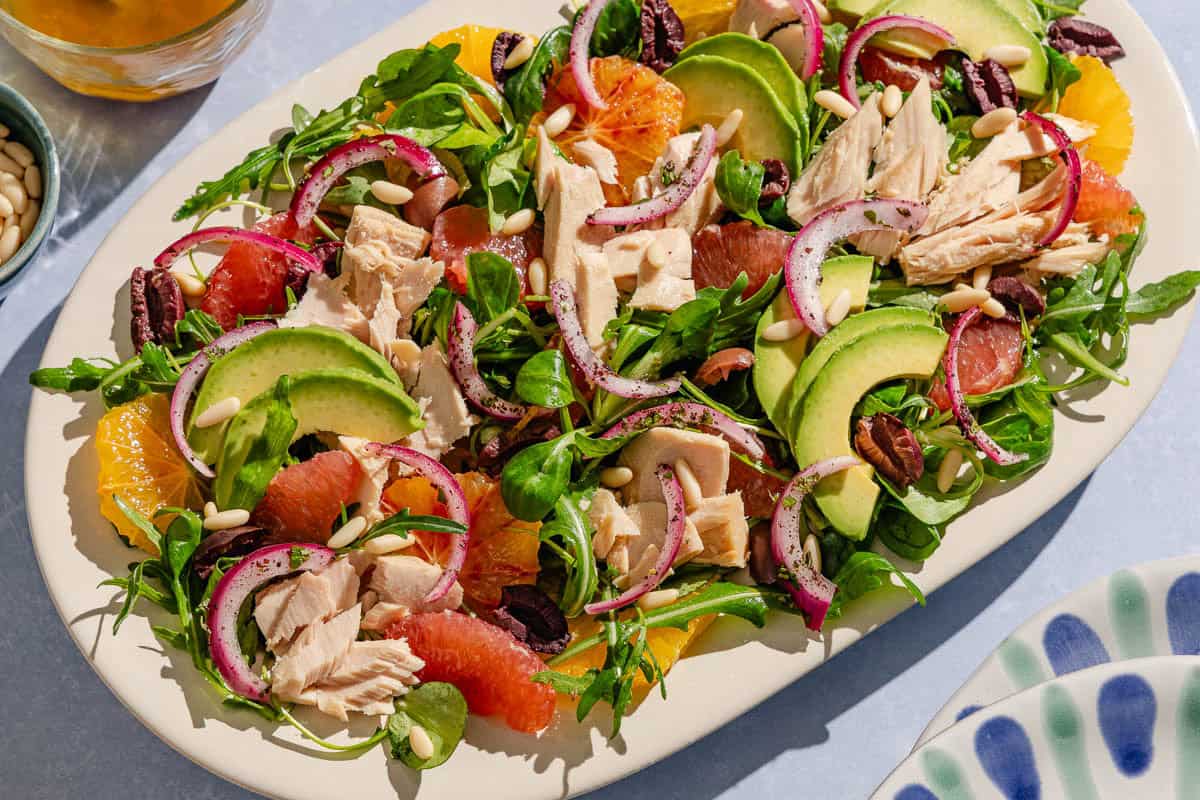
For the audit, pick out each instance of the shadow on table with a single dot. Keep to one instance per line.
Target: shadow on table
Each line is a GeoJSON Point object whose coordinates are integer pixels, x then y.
{"type": "Point", "coordinates": [798, 717]}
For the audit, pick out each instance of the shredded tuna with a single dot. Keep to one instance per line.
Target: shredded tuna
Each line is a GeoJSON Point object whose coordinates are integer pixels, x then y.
{"type": "Point", "coordinates": [838, 173]}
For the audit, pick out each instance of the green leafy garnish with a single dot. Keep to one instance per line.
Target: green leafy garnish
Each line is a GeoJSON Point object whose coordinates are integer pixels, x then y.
{"type": "Point", "coordinates": [441, 710]}
{"type": "Point", "coordinates": [739, 184]}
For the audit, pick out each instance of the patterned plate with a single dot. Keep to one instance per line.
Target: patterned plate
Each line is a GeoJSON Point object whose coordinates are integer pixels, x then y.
{"type": "Point", "coordinates": [1149, 610]}
{"type": "Point", "coordinates": [1122, 731]}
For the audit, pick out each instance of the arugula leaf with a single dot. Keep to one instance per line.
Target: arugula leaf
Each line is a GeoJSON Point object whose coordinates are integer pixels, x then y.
{"type": "Point", "coordinates": [441, 710]}
{"type": "Point", "coordinates": [1163, 297]}
{"type": "Point", "coordinates": [863, 573]}
{"type": "Point", "coordinates": [545, 380]}
{"type": "Point", "coordinates": [572, 530]}
{"type": "Point", "coordinates": [898, 293]}
{"type": "Point", "coordinates": [492, 286]}
{"type": "Point", "coordinates": [81, 375]}
{"type": "Point", "coordinates": [526, 90]}
{"type": "Point", "coordinates": [739, 184]}
{"type": "Point", "coordinates": [1017, 431]}
{"type": "Point", "coordinates": [1053, 9]}
{"type": "Point", "coordinates": [255, 448]}
{"type": "Point", "coordinates": [197, 329]}
{"type": "Point", "coordinates": [1062, 74]}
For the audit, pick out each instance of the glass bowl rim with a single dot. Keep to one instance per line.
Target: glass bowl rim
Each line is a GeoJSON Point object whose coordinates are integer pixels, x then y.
{"type": "Point", "coordinates": [93, 50]}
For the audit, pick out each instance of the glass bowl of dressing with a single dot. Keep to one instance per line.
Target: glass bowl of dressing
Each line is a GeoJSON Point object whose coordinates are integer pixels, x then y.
{"type": "Point", "coordinates": [139, 50]}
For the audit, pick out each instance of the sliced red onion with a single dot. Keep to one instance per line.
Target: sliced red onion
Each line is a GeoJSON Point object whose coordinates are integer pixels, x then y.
{"type": "Point", "coordinates": [337, 162]}
{"type": "Point", "coordinates": [460, 347]}
{"type": "Point", "coordinates": [688, 415]}
{"type": "Point", "coordinates": [958, 402]}
{"type": "Point", "coordinates": [190, 378]}
{"type": "Point", "coordinates": [456, 503]}
{"type": "Point", "coordinates": [229, 234]}
{"type": "Point", "coordinates": [802, 268]}
{"type": "Point", "coordinates": [580, 50]}
{"type": "Point", "coordinates": [676, 529]}
{"type": "Point", "coordinates": [671, 198]}
{"type": "Point", "coordinates": [811, 590]}
{"type": "Point", "coordinates": [562, 298]}
{"type": "Point", "coordinates": [858, 39]}
{"type": "Point", "coordinates": [241, 581]}
{"type": "Point", "coordinates": [814, 37]}
{"type": "Point", "coordinates": [1074, 169]}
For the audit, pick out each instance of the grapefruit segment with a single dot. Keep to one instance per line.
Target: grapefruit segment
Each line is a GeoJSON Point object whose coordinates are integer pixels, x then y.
{"type": "Point", "coordinates": [722, 252]}
{"type": "Point", "coordinates": [304, 500]}
{"type": "Point", "coordinates": [462, 230]}
{"type": "Point", "coordinates": [1105, 204]}
{"type": "Point", "coordinates": [989, 358]}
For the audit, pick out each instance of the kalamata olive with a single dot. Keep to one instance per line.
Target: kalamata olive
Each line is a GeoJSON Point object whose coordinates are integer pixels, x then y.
{"type": "Point", "coordinates": [429, 199]}
{"type": "Point", "coordinates": [1015, 293]}
{"type": "Point", "coordinates": [989, 85]}
{"type": "Point", "coordinates": [722, 363]}
{"type": "Point", "coordinates": [662, 35]}
{"type": "Point", "coordinates": [887, 444]}
{"type": "Point", "coordinates": [763, 568]}
{"type": "Point", "coordinates": [231, 542]}
{"type": "Point", "coordinates": [502, 48]}
{"type": "Point", "coordinates": [532, 617]}
{"type": "Point", "coordinates": [155, 304]}
{"type": "Point", "coordinates": [1074, 35]}
{"type": "Point", "coordinates": [776, 181]}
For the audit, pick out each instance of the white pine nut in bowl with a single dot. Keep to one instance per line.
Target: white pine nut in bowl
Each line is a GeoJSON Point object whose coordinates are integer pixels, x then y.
{"type": "Point", "coordinates": [29, 175]}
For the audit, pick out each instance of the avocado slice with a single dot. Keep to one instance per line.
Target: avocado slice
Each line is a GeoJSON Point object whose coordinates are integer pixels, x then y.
{"type": "Point", "coordinates": [254, 366]}
{"type": "Point", "coordinates": [903, 351]}
{"type": "Point", "coordinates": [977, 25]}
{"type": "Point", "coordinates": [764, 59]}
{"type": "Point", "coordinates": [775, 363]}
{"type": "Point", "coordinates": [852, 328]}
{"type": "Point", "coordinates": [343, 401]}
{"type": "Point", "coordinates": [713, 86]}
{"type": "Point", "coordinates": [1024, 10]}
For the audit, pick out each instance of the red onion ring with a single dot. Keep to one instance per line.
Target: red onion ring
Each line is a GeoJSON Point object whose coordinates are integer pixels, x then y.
{"type": "Point", "coordinates": [460, 346]}
{"type": "Point", "coordinates": [1074, 168]}
{"type": "Point", "coordinates": [814, 37]}
{"type": "Point", "coordinates": [292, 252]}
{"type": "Point", "coordinates": [562, 299]}
{"type": "Point", "coordinates": [340, 160]}
{"type": "Point", "coordinates": [242, 580]}
{"type": "Point", "coordinates": [802, 268]}
{"type": "Point", "coordinates": [190, 378]}
{"type": "Point", "coordinates": [673, 196]}
{"type": "Point", "coordinates": [456, 503]}
{"type": "Point", "coordinates": [579, 51]}
{"type": "Point", "coordinates": [676, 529]}
{"type": "Point", "coordinates": [858, 39]}
{"type": "Point", "coordinates": [811, 590]}
{"type": "Point", "coordinates": [686, 414]}
{"type": "Point", "coordinates": [958, 402]}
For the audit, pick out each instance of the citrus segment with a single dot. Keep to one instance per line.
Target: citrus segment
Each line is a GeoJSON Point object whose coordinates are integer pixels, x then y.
{"type": "Point", "coordinates": [1098, 98]}
{"type": "Point", "coordinates": [476, 54]}
{"type": "Point", "coordinates": [722, 252]}
{"type": "Point", "coordinates": [644, 112]}
{"type": "Point", "coordinates": [989, 357]}
{"type": "Point", "coordinates": [704, 17]}
{"type": "Point", "coordinates": [139, 462]}
{"type": "Point", "coordinates": [1105, 204]}
{"type": "Point", "coordinates": [462, 230]}
{"type": "Point", "coordinates": [491, 668]}
{"type": "Point", "coordinates": [304, 500]}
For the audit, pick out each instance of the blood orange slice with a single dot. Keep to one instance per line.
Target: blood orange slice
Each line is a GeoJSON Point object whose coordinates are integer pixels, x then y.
{"type": "Point", "coordinates": [722, 252]}
{"type": "Point", "coordinates": [303, 500]}
{"type": "Point", "coordinates": [989, 358]}
{"type": "Point", "coordinates": [462, 230]}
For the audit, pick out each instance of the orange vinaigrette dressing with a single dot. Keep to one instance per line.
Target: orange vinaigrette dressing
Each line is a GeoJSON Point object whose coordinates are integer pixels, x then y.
{"type": "Point", "coordinates": [114, 23]}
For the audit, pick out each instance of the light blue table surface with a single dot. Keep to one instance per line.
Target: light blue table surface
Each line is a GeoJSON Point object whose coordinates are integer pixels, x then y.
{"type": "Point", "coordinates": [833, 735]}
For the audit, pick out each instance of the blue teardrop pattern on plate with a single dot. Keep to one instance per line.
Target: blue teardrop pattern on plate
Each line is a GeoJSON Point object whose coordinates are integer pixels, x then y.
{"type": "Point", "coordinates": [1072, 645]}
{"type": "Point", "coordinates": [1127, 710]}
{"type": "Point", "coordinates": [915, 792]}
{"type": "Point", "coordinates": [966, 712]}
{"type": "Point", "coordinates": [1183, 615]}
{"type": "Point", "coordinates": [1006, 755]}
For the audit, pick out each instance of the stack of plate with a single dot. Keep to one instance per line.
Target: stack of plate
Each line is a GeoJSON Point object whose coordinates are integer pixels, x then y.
{"type": "Point", "coordinates": [1095, 698]}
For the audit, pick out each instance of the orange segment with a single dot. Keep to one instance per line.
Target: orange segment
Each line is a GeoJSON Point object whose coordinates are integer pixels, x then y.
{"type": "Point", "coordinates": [644, 111]}
{"type": "Point", "coordinates": [139, 462]}
{"type": "Point", "coordinates": [1098, 98]}
{"type": "Point", "coordinates": [667, 644]}
{"type": "Point", "coordinates": [704, 17]}
{"type": "Point", "coordinates": [476, 41]}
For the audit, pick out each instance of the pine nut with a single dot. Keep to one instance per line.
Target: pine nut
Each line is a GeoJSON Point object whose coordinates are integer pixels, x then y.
{"type": "Point", "coordinates": [348, 533]}
{"type": "Point", "coordinates": [812, 552]}
{"type": "Point", "coordinates": [33, 181]}
{"type": "Point", "coordinates": [752, 31]}
{"type": "Point", "coordinates": [520, 54]}
{"type": "Point", "coordinates": [518, 223]}
{"type": "Point", "coordinates": [893, 99]}
{"type": "Point", "coordinates": [224, 520]}
{"type": "Point", "coordinates": [5, 132]}
{"type": "Point", "coordinates": [210, 508]}
{"type": "Point", "coordinates": [7, 165]}
{"type": "Point", "coordinates": [981, 277]}
{"type": "Point", "coordinates": [656, 254]}
{"type": "Point", "coordinates": [693, 497]}
{"type": "Point", "coordinates": [388, 543]}
{"type": "Point", "coordinates": [19, 153]}
{"type": "Point", "coordinates": [30, 218]}
{"type": "Point", "coordinates": [783, 331]}
{"type": "Point", "coordinates": [189, 284]}
{"type": "Point", "coordinates": [994, 308]}
{"type": "Point", "coordinates": [421, 744]}
{"type": "Point", "coordinates": [218, 412]}
{"type": "Point", "coordinates": [835, 104]}
{"type": "Point", "coordinates": [730, 125]}
{"type": "Point", "coordinates": [537, 276]}
{"type": "Point", "coordinates": [839, 308]}
{"type": "Point", "coordinates": [406, 350]}
{"type": "Point", "coordinates": [1008, 55]}
{"type": "Point", "coordinates": [993, 122]}
{"type": "Point", "coordinates": [616, 477]}
{"type": "Point", "coordinates": [948, 470]}
{"type": "Point", "coordinates": [391, 193]}
{"type": "Point", "coordinates": [822, 12]}
{"type": "Point", "coordinates": [14, 190]}
{"type": "Point", "coordinates": [557, 122]}
{"type": "Point", "coordinates": [657, 599]}
{"type": "Point", "coordinates": [962, 299]}
{"type": "Point", "coordinates": [6, 207]}
{"type": "Point", "coordinates": [10, 240]}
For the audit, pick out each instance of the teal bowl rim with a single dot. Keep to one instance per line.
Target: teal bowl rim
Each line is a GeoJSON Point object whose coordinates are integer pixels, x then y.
{"type": "Point", "coordinates": [47, 152]}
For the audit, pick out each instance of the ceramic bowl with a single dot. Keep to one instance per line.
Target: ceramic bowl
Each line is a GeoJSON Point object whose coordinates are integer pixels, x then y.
{"type": "Point", "coordinates": [27, 127]}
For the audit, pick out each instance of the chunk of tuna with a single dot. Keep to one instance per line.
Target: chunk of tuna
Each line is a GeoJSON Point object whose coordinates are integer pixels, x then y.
{"type": "Point", "coordinates": [326, 304]}
{"type": "Point", "coordinates": [575, 193]}
{"type": "Point", "coordinates": [405, 580]}
{"type": "Point", "coordinates": [545, 164]}
{"type": "Point", "coordinates": [395, 237]}
{"type": "Point", "coordinates": [375, 470]}
{"type": "Point", "coordinates": [1068, 255]}
{"type": "Point", "coordinates": [598, 157]}
{"type": "Point", "coordinates": [625, 254]}
{"type": "Point", "coordinates": [595, 296]}
{"type": "Point", "coordinates": [723, 530]}
{"type": "Point", "coordinates": [367, 679]}
{"type": "Point", "coordinates": [641, 552]}
{"type": "Point", "coordinates": [839, 171]}
{"type": "Point", "coordinates": [613, 526]}
{"type": "Point", "coordinates": [666, 287]}
{"type": "Point", "coordinates": [285, 608]}
{"type": "Point", "coordinates": [381, 616]}
{"type": "Point", "coordinates": [707, 455]}
{"type": "Point", "coordinates": [703, 205]}
{"type": "Point", "coordinates": [315, 654]}
{"type": "Point", "coordinates": [444, 410]}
